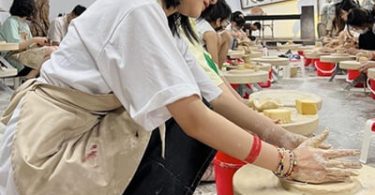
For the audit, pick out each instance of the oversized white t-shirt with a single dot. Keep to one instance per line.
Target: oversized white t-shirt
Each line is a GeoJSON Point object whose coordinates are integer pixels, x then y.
{"type": "Point", "coordinates": [126, 47]}
{"type": "Point", "coordinates": [202, 26]}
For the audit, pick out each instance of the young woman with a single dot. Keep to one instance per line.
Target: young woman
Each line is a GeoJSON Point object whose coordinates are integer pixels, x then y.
{"type": "Point", "coordinates": [39, 21]}
{"type": "Point", "coordinates": [362, 21]}
{"type": "Point", "coordinates": [210, 29]}
{"type": "Point", "coordinates": [89, 125]}
{"type": "Point", "coordinates": [339, 14]}
{"type": "Point", "coordinates": [28, 60]}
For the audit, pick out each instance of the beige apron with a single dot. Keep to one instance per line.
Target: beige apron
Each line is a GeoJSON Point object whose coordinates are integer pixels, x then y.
{"type": "Point", "coordinates": [69, 142]}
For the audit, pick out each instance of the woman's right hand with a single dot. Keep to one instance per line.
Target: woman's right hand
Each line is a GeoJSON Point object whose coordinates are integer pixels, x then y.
{"type": "Point", "coordinates": [40, 41]}
{"type": "Point", "coordinates": [316, 165]}
{"type": "Point", "coordinates": [366, 65]}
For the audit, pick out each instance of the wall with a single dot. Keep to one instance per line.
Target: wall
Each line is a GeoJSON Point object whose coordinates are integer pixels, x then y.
{"type": "Point", "coordinates": [66, 6]}
{"type": "Point", "coordinates": [284, 28]}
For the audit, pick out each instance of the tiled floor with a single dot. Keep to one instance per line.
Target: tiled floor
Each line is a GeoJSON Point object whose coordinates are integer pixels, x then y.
{"type": "Point", "coordinates": [344, 112]}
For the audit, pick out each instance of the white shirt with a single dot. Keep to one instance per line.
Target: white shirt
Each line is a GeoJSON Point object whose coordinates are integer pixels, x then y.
{"type": "Point", "coordinates": [132, 53]}
{"type": "Point", "coordinates": [202, 26]}
{"type": "Point", "coordinates": [58, 29]}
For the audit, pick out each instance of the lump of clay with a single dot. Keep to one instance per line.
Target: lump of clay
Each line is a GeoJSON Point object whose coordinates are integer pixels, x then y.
{"type": "Point", "coordinates": [266, 105]}
{"type": "Point", "coordinates": [282, 115]}
{"type": "Point", "coordinates": [340, 188]}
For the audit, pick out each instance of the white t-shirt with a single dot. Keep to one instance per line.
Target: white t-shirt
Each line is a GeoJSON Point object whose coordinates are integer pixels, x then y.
{"type": "Point", "coordinates": [202, 26]}
{"type": "Point", "coordinates": [132, 53]}
{"type": "Point", "coordinates": [58, 29]}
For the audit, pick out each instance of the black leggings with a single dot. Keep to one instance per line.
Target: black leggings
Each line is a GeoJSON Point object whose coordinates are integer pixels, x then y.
{"type": "Point", "coordinates": [179, 173]}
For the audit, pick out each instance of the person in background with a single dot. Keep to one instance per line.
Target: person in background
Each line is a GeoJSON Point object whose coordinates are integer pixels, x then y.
{"type": "Point", "coordinates": [249, 28]}
{"type": "Point", "coordinates": [32, 50]}
{"type": "Point", "coordinates": [39, 21]}
{"type": "Point", "coordinates": [324, 22]}
{"type": "Point", "coordinates": [59, 26]}
{"type": "Point", "coordinates": [338, 15]}
{"type": "Point", "coordinates": [211, 31]}
{"type": "Point", "coordinates": [237, 21]}
{"type": "Point", "coordinates": [362, 21]}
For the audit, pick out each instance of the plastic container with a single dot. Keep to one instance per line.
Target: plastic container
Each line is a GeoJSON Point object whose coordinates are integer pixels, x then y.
{"type": "Point", "coordinates": [225, 167]}
{"type": "Point", "coordinates": [371, 87]}
{"type": "Point", "coordinates": [352, 75]}
{"type": "Point", "coordinates": [324, 69]}
{"type": "Point", "coordinates": [267, 84]}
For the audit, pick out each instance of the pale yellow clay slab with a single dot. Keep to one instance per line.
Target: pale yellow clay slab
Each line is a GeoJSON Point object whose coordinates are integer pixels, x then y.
{"type": "Point", "coordinates": [350, 65]}
{"type": "Point", "coordinates": [301, 124]}
{"type": "Point", "coordinates": [286, 97]}
{"type": "Point", "coordinates": [245, 78]}
{"type": "Point", "coordinates": [272, 60]}
{"type": "Point", "coordinates": [8, 46]}
{"type": "Point", "coordinates": [371, 73]}
{"type": "Point", "coordinates": [336, 59]}
{"type": "Point", "coordinates": [252, 180]}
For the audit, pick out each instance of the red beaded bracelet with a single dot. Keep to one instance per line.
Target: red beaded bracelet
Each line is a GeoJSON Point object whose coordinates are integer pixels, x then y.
{"type": "Point", "coordinates": [255, 150]}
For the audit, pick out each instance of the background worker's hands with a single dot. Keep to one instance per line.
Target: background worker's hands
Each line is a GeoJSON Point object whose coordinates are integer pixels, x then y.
{"type": "Point", "coordinates": [291, 141]}
{"type": "Point", "coordinates": [40, 41]}
{"type": "Point", "coordinates": [366, 65]}
{"type": "Point", "coordinates": [315, 165]}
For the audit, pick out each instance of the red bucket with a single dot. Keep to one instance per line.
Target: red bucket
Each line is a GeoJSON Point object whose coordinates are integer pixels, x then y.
{"type": "Point", "coordinates": [324, 69]}
{"type": "Point", "coordinates": [371, 87]}
{"type": "Point", "coordinates": [225, 167]}
{"type": "Point", "coordinates": [352, 75]}
{"type": "Point", "coordinates": [266, 84]}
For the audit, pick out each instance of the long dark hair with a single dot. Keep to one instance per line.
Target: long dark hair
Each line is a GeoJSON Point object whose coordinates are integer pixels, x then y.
{"type": "Point", "coordinates": [221, 10]}
{"type": "Point", "coordinates": [345, 5]}
{"type": "Point", "coordinates": [359, 17]}
{"type": "Point", "coordinates": [177, 20]}
{"type": "Point", "coordinates": [22, 8]}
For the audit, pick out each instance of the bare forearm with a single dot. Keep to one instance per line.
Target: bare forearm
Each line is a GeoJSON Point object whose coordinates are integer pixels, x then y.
{"type": "Point", "coordinates": [214, 130]}
{"type": "Point", "coordinates": [246, 118]}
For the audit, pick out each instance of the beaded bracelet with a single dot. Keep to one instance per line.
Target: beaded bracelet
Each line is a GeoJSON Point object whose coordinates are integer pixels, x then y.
{"type": "Point", "coordinates": [280, 172]}
{"type": "Point", "coordinates": [255, 150]}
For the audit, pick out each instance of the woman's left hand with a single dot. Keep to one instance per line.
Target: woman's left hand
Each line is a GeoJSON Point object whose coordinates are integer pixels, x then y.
{"type": "Point", "coordinates": [292, 140]}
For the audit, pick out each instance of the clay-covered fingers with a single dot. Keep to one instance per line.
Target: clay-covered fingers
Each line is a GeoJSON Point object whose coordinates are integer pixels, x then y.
{"type": "Point", "coordinates": [335, 172]}
{"type": "Point", "coordinates": [325, 146]}
{"type": "Point", "coordinates": [339, 153]}
{"type": "Point", "coordinates": [317, 140]}
{"type": "Point", "coordinates": [343, 164]}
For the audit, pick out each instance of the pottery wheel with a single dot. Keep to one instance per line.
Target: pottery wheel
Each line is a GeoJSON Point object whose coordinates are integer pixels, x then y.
{"type": "Point", "coordinates": [301, 124]}
{"type": "Point", "coordinates": [246, 77]}
{"type": "Point", "coordinates": [273, 60]}
{"type": "Point", "coordinates": [286, 97]}
{"type": "Point", "coordinates": [289, 46]}
{"type": "Point", "coordinates": [336, 58]}
{"type": "Point", "coordinates": [8, 46]}
{"type": "Point", "coordinates": [350, 65]}
{"type": "Point", "coordinates": [251, 180]}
